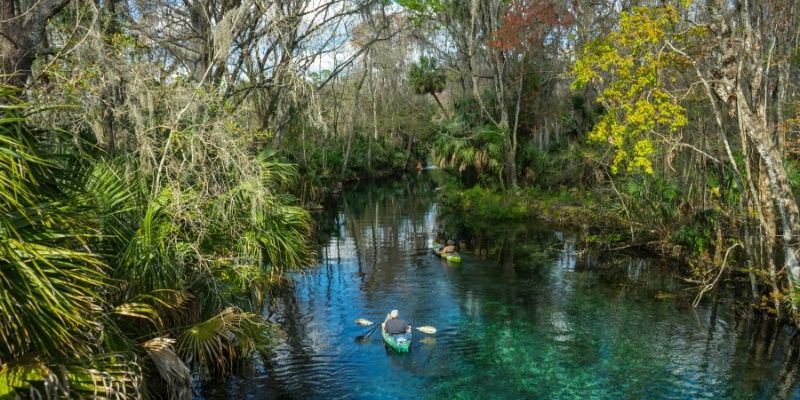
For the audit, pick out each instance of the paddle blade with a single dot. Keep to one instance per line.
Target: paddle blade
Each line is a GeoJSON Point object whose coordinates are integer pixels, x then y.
{"type": "Point", "coordinates": [427, 329]}
{"type": "Point", "coordinates": [362, 338]}
{"type": "Point", "coordinates": [363, 322]}
{"type": "Point", "coordinates": [365, 337]}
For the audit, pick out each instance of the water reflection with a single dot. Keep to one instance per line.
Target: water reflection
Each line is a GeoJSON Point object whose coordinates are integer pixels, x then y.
{"type": "Point", "coordinates": [528, 314]}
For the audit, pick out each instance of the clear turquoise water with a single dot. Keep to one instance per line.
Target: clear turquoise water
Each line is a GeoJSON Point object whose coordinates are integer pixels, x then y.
{"type": "Point", "coordinates": [536, 317]}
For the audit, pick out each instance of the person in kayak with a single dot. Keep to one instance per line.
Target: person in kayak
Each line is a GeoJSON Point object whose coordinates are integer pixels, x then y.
{"type": "Point", "coordinates": [450, 248]}
{"type": "Point", "coordinates": [394, 325]}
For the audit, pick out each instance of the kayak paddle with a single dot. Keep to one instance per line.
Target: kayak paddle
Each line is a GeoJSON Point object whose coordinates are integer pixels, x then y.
{"type": "Point", "coordinates": [367, 335]}
{"type": "Point", "coordinates": [426, 329]}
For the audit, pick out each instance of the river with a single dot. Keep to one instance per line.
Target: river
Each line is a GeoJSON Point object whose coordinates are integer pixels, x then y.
{"type": "Point", "coordinates": [529, 314]}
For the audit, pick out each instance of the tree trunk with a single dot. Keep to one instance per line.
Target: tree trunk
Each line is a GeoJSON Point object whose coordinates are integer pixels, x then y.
{"type": "Point", "coordinates": [201, 27]}
{"type": "Point", "coordinates": [111, 94]}
{"type": "Point", "coordinates": [374, 135]}
{"type": "Point", "coordinates": [353, 118]}
{"type": "Point", "coordinates": [751, 102]}
{"type": "Point", "coordinates": [740, 82]}
{"type": "Point", "coordinates": [781, 190]}
{"type": "Point", "coordinates": [514, 130]}
{"type": "Point", "coordinates": [441, 107]}
{"type": "Point", "coordinates": [768, 238]}
{"type": "Point", "coordinates": [21, 32]}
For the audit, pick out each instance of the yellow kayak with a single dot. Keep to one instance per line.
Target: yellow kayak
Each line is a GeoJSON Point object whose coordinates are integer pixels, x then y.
{"type": "Point", "coordinates": [452, 257]}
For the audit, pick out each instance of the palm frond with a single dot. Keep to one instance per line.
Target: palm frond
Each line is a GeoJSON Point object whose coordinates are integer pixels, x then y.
{"type": "Point", "coordinates": [170, 367]}
{"type": "Point", "coordinates": [216, 344]}
{"type": "Point", "coordinates": [148, 258]}
{"type": "Point", "coordinates": [111, 376]}
{"type": "Point", "coordinates": [276, 174]}
{"type": "Point", "coordinates": [426, 76]}
{"type": "Point", "coordinates": [49, 281]}
{"type": "Point", "coordinates": [139, 311]}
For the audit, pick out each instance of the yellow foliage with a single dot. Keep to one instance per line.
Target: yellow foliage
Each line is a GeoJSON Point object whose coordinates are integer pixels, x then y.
{"type": "Point", "coordinates": [631, 66]}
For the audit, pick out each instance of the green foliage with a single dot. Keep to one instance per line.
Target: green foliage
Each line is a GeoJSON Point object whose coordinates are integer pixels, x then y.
{"type": "Point", "coordinates": [215, 344]}
{"type": "Point", "coordinates": [652, 200]}
{"type": "Point", "coordinates": [426, 77]}
{"type": "Point", "coordinates": [581, 116]}
{"type": "Point", "coordinates": [322, 162]}
{"type": "Point", "coordinates": [422, 5]}
{"type": "Point", "coordinates": [470, 146]}
{"type": "Point", "coordinates": [560, 164]}
{"type": "Point", "coordinates": [793, 173]}
{"type": "Point", "coordinates": [422, 11]}
{"type": "Point", "coordinates": [631, 66]}
{"type": "Point", "coordinates": [102, 376]}
{"type": "Point", "coordinates": [604, 238]}
{"type": "Point", "coordinates": [51, 283]}
{"type": "Point", "coordinates": [696, 239]}
{"type": "Point", "coordinates": [698, 234]}
{"type": "Point", "coordinates": [49, 286]}
{"type": "Point", "coordinates": [489, 205]}
{"type": "Point", "coordinates": [100, 273]}
{"type": "Point", "coordinates": [481, 151]}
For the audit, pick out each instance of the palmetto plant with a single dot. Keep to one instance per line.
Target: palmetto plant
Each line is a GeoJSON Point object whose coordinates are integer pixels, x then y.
{"type": "Point", "coordinates": [482, 150]}
{"type": "Point", "coordinates": [51, 283]}
{"type": "Point", "coordinates": [111, 288]}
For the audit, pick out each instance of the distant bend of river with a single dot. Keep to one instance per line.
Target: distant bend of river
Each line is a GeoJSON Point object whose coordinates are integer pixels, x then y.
{"type": "Point", "coordinates": [533, 317]}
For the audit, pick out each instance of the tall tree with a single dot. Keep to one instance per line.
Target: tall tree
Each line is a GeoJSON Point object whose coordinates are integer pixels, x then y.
{"type": "Point", "coordinates": [427, 78]}
{"type": "Point", "coordinates": [739, 82]}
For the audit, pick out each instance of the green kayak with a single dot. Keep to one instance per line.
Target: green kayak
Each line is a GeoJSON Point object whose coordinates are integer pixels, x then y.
{"type": "Point", "coordinates": [452, 257]}
{"type": "Point", "coordinates": [402, 345]}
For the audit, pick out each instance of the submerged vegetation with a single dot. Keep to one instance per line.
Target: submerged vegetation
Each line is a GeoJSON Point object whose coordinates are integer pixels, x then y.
{"type": "Point", "coordinates": [156, 155]}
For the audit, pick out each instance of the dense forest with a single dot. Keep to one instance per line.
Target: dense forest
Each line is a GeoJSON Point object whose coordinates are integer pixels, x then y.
{"type": "Point", "coordinates": [157, 155]}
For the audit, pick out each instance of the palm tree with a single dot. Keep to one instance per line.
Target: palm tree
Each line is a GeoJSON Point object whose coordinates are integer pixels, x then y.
{"type": "Point", "coordinates": [428, 78]}
{"type": "Point", "coordinates": [110, 290]}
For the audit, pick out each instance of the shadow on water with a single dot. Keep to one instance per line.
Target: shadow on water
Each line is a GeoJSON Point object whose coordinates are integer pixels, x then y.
{"type": "Point", "coordinates": [527, 314]}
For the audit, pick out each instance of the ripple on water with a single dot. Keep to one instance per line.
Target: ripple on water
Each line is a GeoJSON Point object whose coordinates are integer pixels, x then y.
{"type": "Point", "coordinates": [329, 374]}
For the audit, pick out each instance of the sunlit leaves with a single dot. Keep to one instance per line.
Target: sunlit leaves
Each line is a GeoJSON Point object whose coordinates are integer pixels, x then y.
{"type": "Point", "coordinates": [48, 284]}
{"type": "Point", "coordinates": [100, 377]}
{"type": "Point", "coordinates": [483, 151]}
{"type": "Point", "coordinates": [630, 65]}
{"type": "Point", "coordinates": [422, 7]}
{"type": "Point", "coordinates": [215, 344]}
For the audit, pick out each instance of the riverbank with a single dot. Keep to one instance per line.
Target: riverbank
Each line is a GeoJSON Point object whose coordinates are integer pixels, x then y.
{"type": "Point", "coordinates": [315, 189]}
{"type": "Point", "coordinates": [601, 220]}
